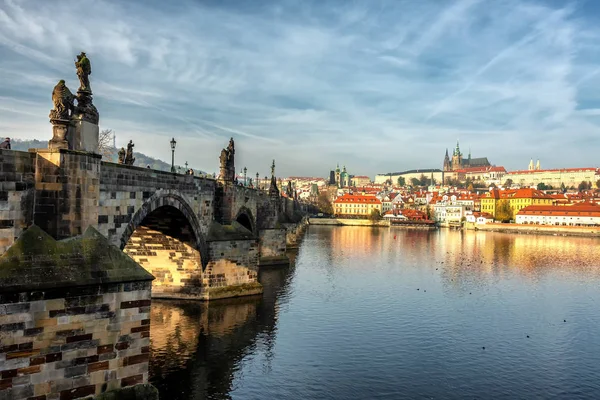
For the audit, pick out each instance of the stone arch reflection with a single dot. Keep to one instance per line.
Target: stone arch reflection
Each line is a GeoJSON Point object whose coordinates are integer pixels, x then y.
{"type": "Point", "coordinates": [197, 347]}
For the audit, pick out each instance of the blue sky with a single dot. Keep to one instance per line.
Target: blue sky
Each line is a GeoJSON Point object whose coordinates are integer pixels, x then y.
{"type": "Point", "coordinates": [376, 85]}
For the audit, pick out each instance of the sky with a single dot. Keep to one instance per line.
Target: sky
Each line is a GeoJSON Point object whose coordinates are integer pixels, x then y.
{"type": "Point", "coordinates": [375, 85]}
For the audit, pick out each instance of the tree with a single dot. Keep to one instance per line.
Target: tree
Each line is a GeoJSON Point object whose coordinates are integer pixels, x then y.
{"type": "Point", "coordinates": [105, 144]}
{"type": "Point", "coordinates": [563, 188]}
{"type": "Point", "coordinates": [324, 204]}
{"type": "Point", "coordinates": [493, 185]}
{"type": "Point", "coordinates": [503, 211]}
{"type": "Point", "coordinates": [582, 186]}
{"type": "Point", "coordinates": [598, 184]}
{"type": "Point", "coordinates": [470, 188]}
{"type": "Point", "coordinates": [415, 182]}
{"type": "Point", "coordinates": [375, 215]}
{"type": "Point", "coordinates": [402, 181]}
{"type": "Point", "coordinates": [423, 180]}
{"type": "Point", "coordinates": [541, 186]}
{"type": "Point", "coordinates": [508, 183]}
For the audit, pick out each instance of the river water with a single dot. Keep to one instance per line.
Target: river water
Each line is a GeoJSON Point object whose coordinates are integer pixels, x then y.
{"type": "Point", "coordinates": [385, 313]}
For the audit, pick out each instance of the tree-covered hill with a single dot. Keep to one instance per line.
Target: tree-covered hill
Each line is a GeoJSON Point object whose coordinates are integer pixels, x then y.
{"type": "Point", "coordinates": [141, 160]}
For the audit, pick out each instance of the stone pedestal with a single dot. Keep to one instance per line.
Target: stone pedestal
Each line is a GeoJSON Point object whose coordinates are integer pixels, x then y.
{"type": "Point", "coordinates": [84, 136]}
{"type": "Point", "coordinates": [84, 131]}
{"type": "Point", "coordinates": [60, 129]}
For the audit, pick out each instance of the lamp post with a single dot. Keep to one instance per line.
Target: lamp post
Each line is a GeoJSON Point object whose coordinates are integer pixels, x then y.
{"type": "Point", "coordinates": [257, 184]}
{"type": "Point", "coordinates": [245, 170]}
{"type": "Point", "coordinates": [173, 144]}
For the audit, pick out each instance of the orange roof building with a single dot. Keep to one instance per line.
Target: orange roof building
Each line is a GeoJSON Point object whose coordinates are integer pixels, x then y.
{"type": "Point", "coordinates": [571, 215]}
{"type": "Point", "coordinates": [356, 205]}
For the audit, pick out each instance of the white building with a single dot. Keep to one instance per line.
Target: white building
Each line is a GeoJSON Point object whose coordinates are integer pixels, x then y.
{"type": "Point", "coordinates": [580, 214]}
{"type": "Point", "coordinates": [448, 211]}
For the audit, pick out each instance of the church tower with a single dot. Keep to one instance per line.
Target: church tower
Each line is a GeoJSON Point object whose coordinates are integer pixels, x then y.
{"type": "Point", "coordinates": [537, 166]}
{"type": "Point", "coordinates": [447, 166]}
{"type": "Point", "coordinates": [530, 167]}
{"type": "Point", "coordinates": [457, 160]}
{"type": "Point", "coordinates": [337, 176]}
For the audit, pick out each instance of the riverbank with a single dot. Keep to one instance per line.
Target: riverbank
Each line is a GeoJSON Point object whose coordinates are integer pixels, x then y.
{"type": "Point", "coordinates": [347, 222]}
{"type": "Point", "coordinates": [541, 229]}
{"type": "Point", "coordinates": [366, 222]}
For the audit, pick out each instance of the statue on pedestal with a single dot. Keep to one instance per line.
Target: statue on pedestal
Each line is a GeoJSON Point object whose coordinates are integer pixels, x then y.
{"type": "Point", "coordinates": [85, 111]}
{"type": "Point", "coordinates": [227, 161]}
{"type": "Point", "coordinates": [63, 102]}
{"type": "Point", "coordinates": [122, 156]}
{"type": "Point", "coordinates": [84, 70]}
{"type": "Point", "coordinates": [129, 158]}
{"type": "Point", "coordinates": [60, 115]}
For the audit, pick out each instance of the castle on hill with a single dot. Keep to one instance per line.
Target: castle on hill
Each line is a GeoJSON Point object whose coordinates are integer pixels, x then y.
{"type": "Point", "coordinates": [458, 162]}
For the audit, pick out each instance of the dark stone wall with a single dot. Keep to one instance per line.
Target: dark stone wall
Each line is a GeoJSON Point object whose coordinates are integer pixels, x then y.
{"type": "Point", "coordinates": [66, 191]}
{"type": "Point", "coordinates": [17, 183]}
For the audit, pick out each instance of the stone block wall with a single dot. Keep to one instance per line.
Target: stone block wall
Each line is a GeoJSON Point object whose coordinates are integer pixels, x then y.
{"type": "Point", "coordinates": [174, 263]}
{"type": "Point", "coordinates": [17, 171]}
{"type": "Point", "coordinates": [244, 198]}
{"type": "Point", "coordinates": [295, 232]}
{"type": "Point", "coordinates": [73, 342]}
{"type": "Point", "coordinates": [232, 269]}
{"type": "Point", "coordinates": [272, 243]}
{"type": "Point", "coordinates": [66, 191]}
{"type": "Point", "coordinates": [124, 189]}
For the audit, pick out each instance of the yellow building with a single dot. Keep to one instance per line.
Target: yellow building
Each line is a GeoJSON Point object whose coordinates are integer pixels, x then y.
{"type": "Point", "coordinates": [517, 199]}
{"type": "Point", "coordinates": [356, 205]}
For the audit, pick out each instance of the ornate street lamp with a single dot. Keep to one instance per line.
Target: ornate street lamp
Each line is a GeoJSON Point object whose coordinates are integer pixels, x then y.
{"type": "Point", "coordinates": [173, 144]}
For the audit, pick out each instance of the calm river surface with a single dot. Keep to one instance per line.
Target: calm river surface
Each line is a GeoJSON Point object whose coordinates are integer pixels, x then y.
{"type": "Point", "coordinates": [385, 313]}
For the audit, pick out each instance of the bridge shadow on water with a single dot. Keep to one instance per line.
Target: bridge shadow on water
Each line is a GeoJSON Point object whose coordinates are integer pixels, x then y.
{"type": "Point", "coordinates": [196, 348]}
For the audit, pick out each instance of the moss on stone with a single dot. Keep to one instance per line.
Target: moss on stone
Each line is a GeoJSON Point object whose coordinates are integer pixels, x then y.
{"type": "Point", "coordinates": [244, 289]}
{"type": "Point", "coordinates": [137, 392]}
{"type": "Point", "coordinates": [37, 261]}
{"type": "Point", "coordinates": [235, 231]}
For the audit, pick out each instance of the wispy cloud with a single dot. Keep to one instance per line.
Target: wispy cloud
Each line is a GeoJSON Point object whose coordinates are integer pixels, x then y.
{"type": "Point", "coordinates": [378, 86]}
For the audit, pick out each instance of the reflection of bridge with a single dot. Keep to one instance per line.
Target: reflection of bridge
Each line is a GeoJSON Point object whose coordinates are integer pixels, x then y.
{"type": "Point", "coordinates": [200, 237]}
{"type": "Point", "coordinates": [199, 347]}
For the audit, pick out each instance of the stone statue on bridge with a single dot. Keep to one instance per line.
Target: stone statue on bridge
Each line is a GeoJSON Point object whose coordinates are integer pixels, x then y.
{"type": "Point", "coordinates": [84, 70]}
{"type": "Point", "coordinates": [122, 155]}
{"type": "Point", "coordinates": [129, 158]}
{"type": "Point", "coordinates": [227, 160]}
{"type": "Point", "coordinates": [60, 115]}
{"type": "Point", "coordinates": [63, 102]}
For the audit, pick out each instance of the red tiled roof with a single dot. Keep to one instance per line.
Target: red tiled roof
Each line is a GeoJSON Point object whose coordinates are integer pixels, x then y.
{"type": "Point", "coordinates": [582, 209]}
{"type": "Point", "coordinates": [356, 198]}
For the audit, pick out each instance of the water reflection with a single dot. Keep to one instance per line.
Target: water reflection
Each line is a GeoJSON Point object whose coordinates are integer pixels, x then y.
{"type": "Point", "coordinates": [197, 348]}
{"type": "Point", "coordinates": [393, 314]}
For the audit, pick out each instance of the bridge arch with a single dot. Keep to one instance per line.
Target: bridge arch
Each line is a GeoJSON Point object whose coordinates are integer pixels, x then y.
{"type": "Point", "coordinates": [245, 218]}
{"type": "Point", "coordinates": [165, 199]}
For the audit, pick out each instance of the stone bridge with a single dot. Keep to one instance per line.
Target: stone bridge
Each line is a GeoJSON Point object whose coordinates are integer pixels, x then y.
{"type": "Point", "coordinates": [201, 238]}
